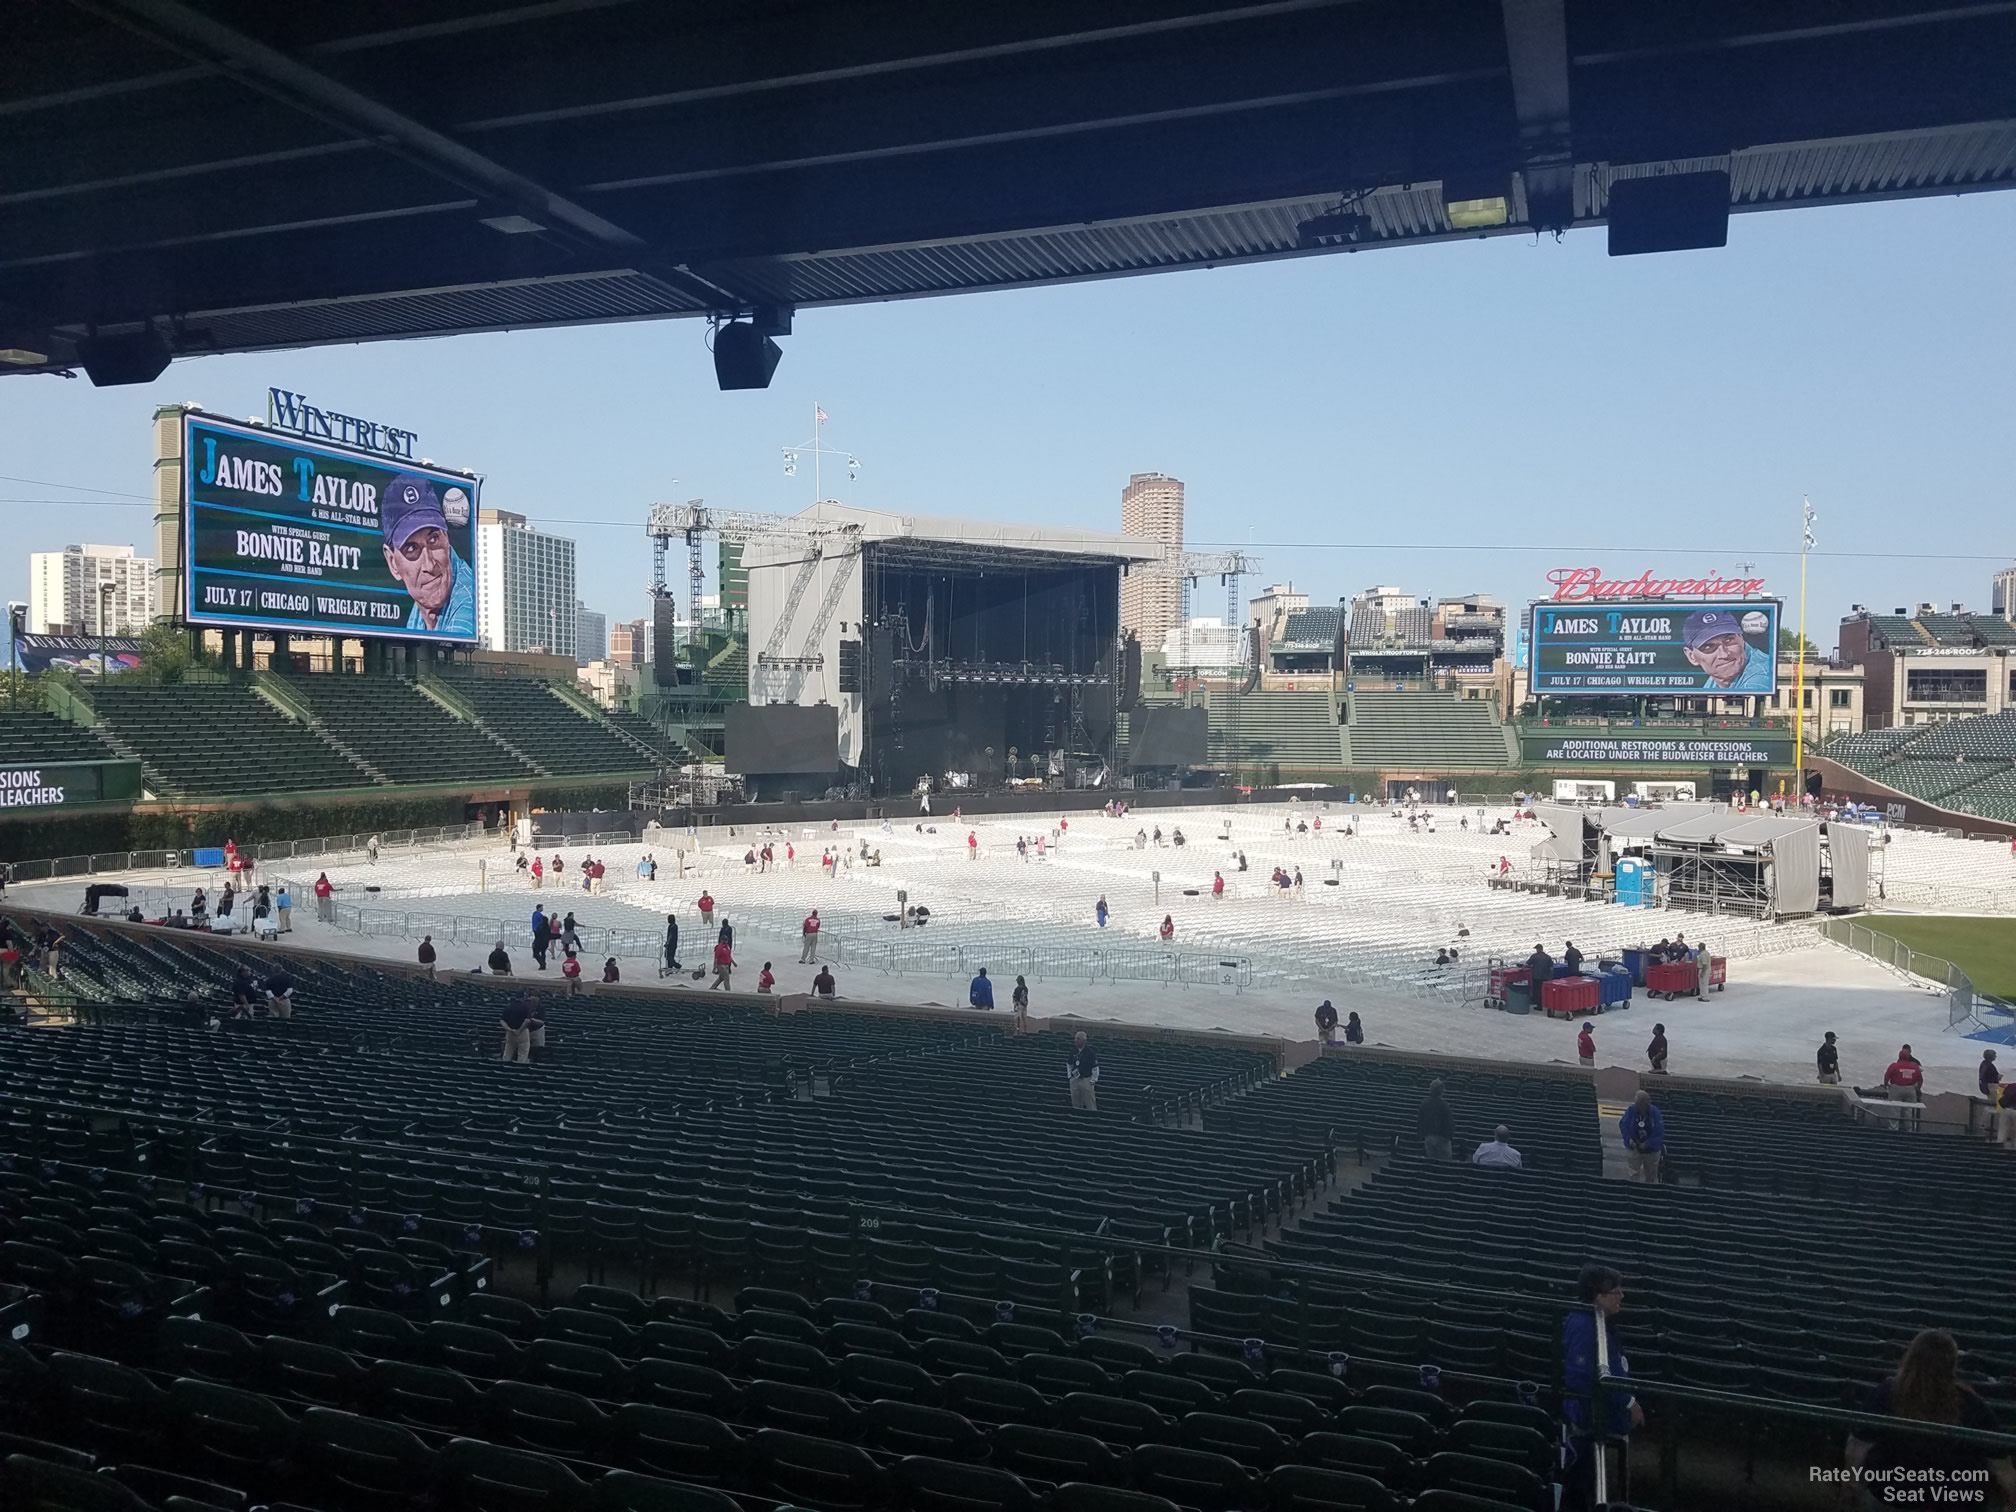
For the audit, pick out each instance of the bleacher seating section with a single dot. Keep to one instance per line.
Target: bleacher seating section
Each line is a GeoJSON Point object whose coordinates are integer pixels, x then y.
{"type": "Point", "coordinates": [28, 737]}
{"type": "Point", "coordinates": [1310, 630]}
{"type": "Point", "coordinates": [403, 733]}
{"type": "Point", "coordinates": [213, 738]}
{"type": "Point", "coordinates": [546, 727]}
{"type": "Point", "coordinates": [1926, 762]}
{"type": "Point", "coordinates": [1432, 732]}
{"type": "Point", "coordinates": [1411, 626]}
{"type": "Point", "coordinates": [1290, 730]}
{"type": "Point", "coordinates": [310, 1264]}
{"type": "Point", "coordinates": [662, 746]}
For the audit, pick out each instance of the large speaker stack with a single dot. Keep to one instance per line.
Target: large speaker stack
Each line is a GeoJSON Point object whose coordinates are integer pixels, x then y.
{"type": "Point", "coordinates": [665, 641]}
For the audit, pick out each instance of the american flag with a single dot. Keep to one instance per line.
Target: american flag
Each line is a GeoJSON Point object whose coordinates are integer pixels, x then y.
{"type": "Point", "coordinates": [819, 414]}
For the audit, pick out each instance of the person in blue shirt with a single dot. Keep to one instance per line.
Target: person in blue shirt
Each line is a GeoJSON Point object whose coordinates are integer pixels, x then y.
{"type": "Point", "coordinates": [1712, 639]}
{"type": "Point", "coordinates": [1600, 1289]}
{"type": "Point", "coordinates": [420, 556]}
{"type": "Point", "coordinates": [1644, 1134]}
{"type": "Point", "coordinates": [1101, 911]}
{"type": "Point", "coordinates": [981, 993]}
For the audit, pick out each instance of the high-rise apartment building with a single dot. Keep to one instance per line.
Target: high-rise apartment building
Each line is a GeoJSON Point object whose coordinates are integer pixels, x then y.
{"type": "Point", "coordinates": [1151, 605]}
{"type": "Point", "coordinates": [90, 590]}
{"type": "Point", "coordinates": [2002, 593]}
{"type": "Point", "coordinates": [591, 635]}
{"type": "Point", "coordinates": [525, 597]}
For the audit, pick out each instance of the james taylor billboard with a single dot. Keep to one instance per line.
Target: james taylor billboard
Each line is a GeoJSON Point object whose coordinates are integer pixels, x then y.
{"type": "Point", "coordinates": [1664, 647]}
{"type": "Point", "coordinates": [289, 534]}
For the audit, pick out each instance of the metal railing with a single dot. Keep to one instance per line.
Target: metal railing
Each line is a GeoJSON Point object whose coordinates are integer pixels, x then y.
{"type": "Point", "coordinates": [56, 867]}
{"type": "Point", "coordinates": [1888, 950]}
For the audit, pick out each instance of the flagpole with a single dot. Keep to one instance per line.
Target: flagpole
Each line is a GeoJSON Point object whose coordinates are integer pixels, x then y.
{"type": "Point", "coordinates": [1799, 696]}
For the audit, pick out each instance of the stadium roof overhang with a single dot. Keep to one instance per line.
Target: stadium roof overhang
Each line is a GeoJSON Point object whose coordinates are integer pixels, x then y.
{"type": "Point", "coordinates": [235, 175]}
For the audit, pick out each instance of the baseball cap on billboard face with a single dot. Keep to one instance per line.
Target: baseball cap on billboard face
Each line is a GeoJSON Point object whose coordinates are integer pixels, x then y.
{"type": "Point", "coordinates": [408, 504]}
{"type": "Point", "coordinates": [1704, 625]}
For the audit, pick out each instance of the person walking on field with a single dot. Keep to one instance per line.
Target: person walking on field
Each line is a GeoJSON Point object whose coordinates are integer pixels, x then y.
{"type": "Point", "coordinates": [1585, 1044]}
{"type": "Point", "coordinates": [724, 963]}
{"type": "Point", "coordinates": [1655, 1053]}
{"type": "Point", "coordinates": [671, 945]}
{"type": "Point", "coordinates": [706, 907]}
{"type": "Point", "coordinates": [1082, 1070]}
{"type": "Point", "coordinates": [1217, 885]}
{"type": "Point", "coordinates": [325, 904]}
{"type": "Point", "coordinates": [283, 910]}
{"type": "Point", "coordinates": [427, 955]}
{"type": "Point", "coordinates": [540, 937]}
{"type": "Point", "coordinates": [1019, 1000]}
{"type": "Point", "coordinates": [808, 949]}
{"type": "Point", "coordinates": [538, 873]}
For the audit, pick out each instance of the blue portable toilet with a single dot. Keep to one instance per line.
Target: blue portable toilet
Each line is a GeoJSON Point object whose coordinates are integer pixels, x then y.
{"type": "Point", "coordinates": [1634, 882]}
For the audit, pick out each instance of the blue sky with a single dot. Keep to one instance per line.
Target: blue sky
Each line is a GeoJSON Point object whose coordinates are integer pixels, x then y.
{"type": "Point", "coordinates": [1449, 419]}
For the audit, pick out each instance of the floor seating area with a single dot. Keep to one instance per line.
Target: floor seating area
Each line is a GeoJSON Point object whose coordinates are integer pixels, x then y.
{"type": "Point", "coordinates": [403, 733]}
{"type": "Point", "coordinates": [547, 728]}
{"type": "Point", "coordinates": [29, 737]}
{"type": "Point", "coordinates": [1426, 732]}
{"type": "Point", "coordinates": [218, 738]}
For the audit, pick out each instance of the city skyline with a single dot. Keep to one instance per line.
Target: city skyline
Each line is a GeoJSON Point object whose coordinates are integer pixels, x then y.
{"type": "Point", "coordinates": [1459, 418]}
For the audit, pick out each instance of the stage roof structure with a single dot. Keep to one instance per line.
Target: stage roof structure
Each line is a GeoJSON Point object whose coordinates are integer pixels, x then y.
{"type": "Point", "coordinates": [196, 176]}
{"type": "Point", "coordinates": [939, 539]}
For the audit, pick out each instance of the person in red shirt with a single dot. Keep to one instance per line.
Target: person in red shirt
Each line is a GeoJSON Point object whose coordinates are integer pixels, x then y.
{"type": "Point", "coordinates": [766, 978]}
{"type": "Point", "coordinates": [724, 962]}
{"type": "Point", "coordinates": [972, 846]}
{"type": "Point", "coordinates": [1504, 865]}
{"type": "Point", "coordinates": [706, 906]}
{"type": "Point", "coordinates": [809, 950]}
{"type": "Point", "coordinates": [571, 970]}
{"type": "Point", "coordinates": [1585, 1044]}
{"type": "Point", "coordinates": [538, 874]}
{"type": "Point", "coordinates": [1168, 929]}
{"type": "Point", "coordinates": [325, 907]}
{"type": "Point", "coordinates": [790, 853]}
{"type": "Point", "coordinates": [1217, 884]}
{"type": "Point", "coordinates": [1904, 1078]}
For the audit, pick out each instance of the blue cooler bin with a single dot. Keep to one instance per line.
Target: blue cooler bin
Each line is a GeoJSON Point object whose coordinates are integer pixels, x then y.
{"type": "Point", "coordinates": [1635, 962]}
{"type": "Point", "coordinates": [1615, 989]}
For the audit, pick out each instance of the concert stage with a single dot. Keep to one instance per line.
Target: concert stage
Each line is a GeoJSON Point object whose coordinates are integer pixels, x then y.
{"type": "Point", "coordinates": [949, 650]}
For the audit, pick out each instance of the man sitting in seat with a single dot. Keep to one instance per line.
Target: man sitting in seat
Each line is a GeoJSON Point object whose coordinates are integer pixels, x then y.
{"type": "Point", "coordinates": [1496, 1151]}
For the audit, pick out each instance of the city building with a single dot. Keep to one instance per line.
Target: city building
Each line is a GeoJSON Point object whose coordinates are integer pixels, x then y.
{"type": "Point", "coordinates": [1151, 506]}
{"type": "Point", "coordinates": [1270, 608]}
{"type": "Point", "coordinates": [90, 590]}
{"type": "Point", "coordinates": [2002, 593]}
{"type": "Point", "coordinates": [1205, 645]}
{"type": "Point", "coordinates": [613, 685]}
{"type": "Point", "coordinates": [630, 642]}
{"type": "Point", "coordinates": [1921, 666]}
{"type": "Point", "coordinates": [525, 596]}
{"type": "Point", "coordinates": [591, 635]}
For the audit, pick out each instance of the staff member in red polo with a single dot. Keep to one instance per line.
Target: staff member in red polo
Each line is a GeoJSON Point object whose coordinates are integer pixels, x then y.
{"type": "Point", "coordinates": [325, 908]}
{"type": "Point", "coordinates": [809, 934]}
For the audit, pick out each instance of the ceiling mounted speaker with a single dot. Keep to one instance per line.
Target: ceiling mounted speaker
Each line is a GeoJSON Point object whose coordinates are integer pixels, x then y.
{"type": "Point", "coordinates": [1677, 212]}
{"type": "Point", "coordinates": [110, 361]}
{"type": "Point", "coordinates": [744, 358]}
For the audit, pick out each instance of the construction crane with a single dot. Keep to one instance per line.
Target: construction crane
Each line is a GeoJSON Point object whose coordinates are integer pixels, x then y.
{"type": "Point", "coordinates": [822, 541]}
{"type": "Point", "coordinates": [1191, 566]}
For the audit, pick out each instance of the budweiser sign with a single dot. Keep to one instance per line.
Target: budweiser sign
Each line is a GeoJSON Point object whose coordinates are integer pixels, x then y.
{"type": "Point", "coordinates": [1573, 584]}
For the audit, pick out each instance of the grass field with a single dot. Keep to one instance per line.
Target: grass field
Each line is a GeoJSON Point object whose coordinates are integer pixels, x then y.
{"type": "Point", "coordinates": [1983, 948]}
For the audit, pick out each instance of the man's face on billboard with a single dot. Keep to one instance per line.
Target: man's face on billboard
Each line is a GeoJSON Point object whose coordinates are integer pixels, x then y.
{"type": "Point", "coordinates": [424, 567]}
{"type": "Point", "coordinates": [1721, 658]}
